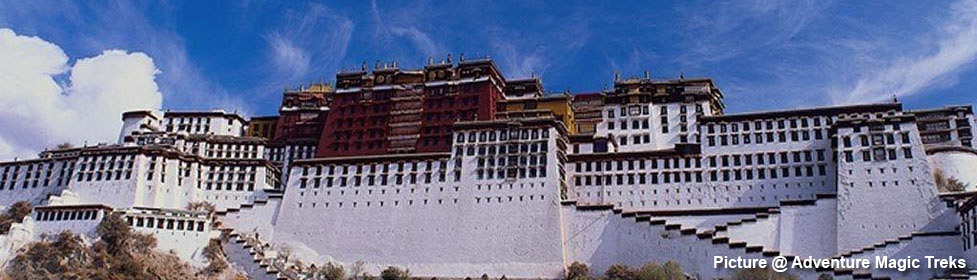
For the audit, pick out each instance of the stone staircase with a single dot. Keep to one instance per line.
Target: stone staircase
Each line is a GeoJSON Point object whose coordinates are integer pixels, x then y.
{"type": "Point", "coordinates": [247, 256]}
{"type": "Point", "coordinates": [724, 230]}
{"type": "Point", "coordinates": [744, 248]}
{"type": "Point", "coordinates": [717, 237]}
{"type": "Point", "coordinates": [248, 253]}
{"type": "Point", "coordinates": [889, 243]}
{"type": "Point", "coordinates": [258, 215]}
{"type": "Point", "coordinates": [246, 206]}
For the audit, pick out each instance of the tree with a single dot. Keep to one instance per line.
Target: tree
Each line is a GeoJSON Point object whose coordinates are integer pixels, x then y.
{"type": "Point", "coordinates": [619, 272]}
{"type": "Point", "coordinates": [14, 214]}
{"type": "Point", "coordinates": [394, 273]}
{"type": "Point", "coordinates": [578, 271]}
{"type": "Point", "coordinates": [673, 271]}
{"type": "Point", "coordinates": [216, 259]}
{"type": "Point", "coordinates": [650, 271]}
{"type": "Point", "coordinates": [115, 232]}
{"type": "Point", "coordinates": [66, 256]}
{"type": "Point", "coordinates": [654, 271]}
{"type": "Point", "coordinates": [332, 271]}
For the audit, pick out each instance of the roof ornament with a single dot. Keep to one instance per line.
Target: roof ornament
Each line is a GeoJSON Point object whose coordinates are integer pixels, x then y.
{"type": "Point", "coordinates": [461, 57]}
{"type": "Point", "coordinates": [395, 63]}
{"type": "Point", "coordinates": [617, 75]}
{"type": "Point", "coordinates": [363, 67]}
{"type": "Point", "coordinates": [681, 75]}
{"type": "Point", "coordinates": [449, 58]}
{"type": "Point", "coordinates": [430, 60]}
{"type": "Point", "coordinates": [376, 65]}
{"type": "Point", "coordinates": [647, 75]}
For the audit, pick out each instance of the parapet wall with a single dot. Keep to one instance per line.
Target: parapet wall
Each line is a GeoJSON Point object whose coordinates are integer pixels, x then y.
{"type": "Point", "coordinates": [444, 232]}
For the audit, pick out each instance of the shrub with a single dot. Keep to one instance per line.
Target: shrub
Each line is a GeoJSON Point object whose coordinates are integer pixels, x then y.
{"type": "Point", "coordinates": [114, 232]}
{"type": "Point", "coordinates": [651, 271]}
{"type": "Point", "coordinates": [64, 146]}
{"type": "Point", "coordinates": [619, 272]}
{"type": "Point", "coordinates": [394, 273]}
{"type": "Point", "coordinates": [673, 271]}
{"type": "Point", "coordinates": [578, 271]}
{"type": "Point", "coordinates": [14, 214]}
{"type": "Point", "coordinates": [65, 254]}
{"type": "Point", "coordinates": [946, 183]}
{"type": "Point", "coordinates": [331, 271]}
{"type": "Point", "coordinates": [203, 206]}
{"type": "Point", "coordinates": [67, 257]}
{"type": "Point", "coordinates": [216, 260]}
{"type": "Point", "coordinates": [654, 271]}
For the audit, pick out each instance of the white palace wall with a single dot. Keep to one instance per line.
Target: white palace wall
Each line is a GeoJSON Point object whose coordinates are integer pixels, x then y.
{"type": "Point", "coordinates": [432, 230]}
{"type": "Point", "coordinates": [450, 228]}
{"type": "Point", "coordinates": [808, 230]}
{"type": "Point", "coordinates": [910, 202]}
{"type": "Point", "coordinates": [33, 180]}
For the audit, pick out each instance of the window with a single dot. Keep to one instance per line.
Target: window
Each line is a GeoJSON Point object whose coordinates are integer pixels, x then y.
{"type": "Point", "coordinates": [879, 154]}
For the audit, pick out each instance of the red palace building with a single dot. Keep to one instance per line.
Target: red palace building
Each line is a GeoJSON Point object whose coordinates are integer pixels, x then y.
{"type": "Point", "coordinates": [392, 110]}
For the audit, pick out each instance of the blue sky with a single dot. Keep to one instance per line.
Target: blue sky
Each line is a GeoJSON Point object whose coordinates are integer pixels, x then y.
{"type": "Point", "coordinates": [764, 54]}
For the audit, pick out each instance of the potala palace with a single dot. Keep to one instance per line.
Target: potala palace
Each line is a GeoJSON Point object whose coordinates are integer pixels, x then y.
{"type": "Point", "coordinates": [455, 171]}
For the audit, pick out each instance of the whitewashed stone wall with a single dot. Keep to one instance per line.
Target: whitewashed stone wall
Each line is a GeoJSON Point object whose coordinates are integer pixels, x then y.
{"type": "Point", "coordinates": [183, 233]}
{"type": "Point", "coordinates": [651, 126]}
{"type": "Point", "coordinates": [910, 202]}
{"type": "Point", "coordinates": [451, 228]}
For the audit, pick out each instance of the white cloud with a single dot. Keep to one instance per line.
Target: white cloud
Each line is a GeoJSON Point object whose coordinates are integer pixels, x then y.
{"type": "Point", "coordinates": [91, 27]}
{"type": "Point", "coordinates": [954, 49]}
{"type": "Point", "coordinates": [287, 56]}
{"type": "Point", "coordinates": [418, 38]}
{"type": "Point", "coordinates": [36, 112]}
{"type": "Point", "coordinates": [520, 63]}
{"type": "Point", "coordinates": [309, 42]}
{"type": "Point", "coordinates": [404, 25]}
{"type": "Point", "coordinates": [731, 30]}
